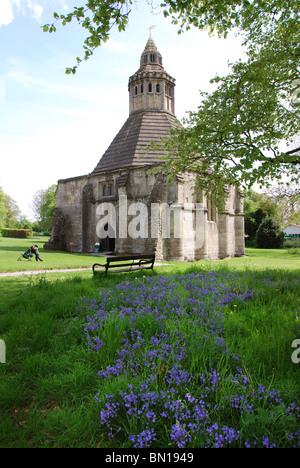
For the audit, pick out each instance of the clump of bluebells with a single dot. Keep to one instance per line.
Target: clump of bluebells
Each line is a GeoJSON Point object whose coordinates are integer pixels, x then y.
{"type": "Point", "coordinates": [154, 329]}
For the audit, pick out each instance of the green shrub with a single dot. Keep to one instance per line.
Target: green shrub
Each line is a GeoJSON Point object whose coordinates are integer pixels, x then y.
{"type": "Point", "coordinates": [269, 235]}
{"type": "Point", "coordinates": [17, 233]}
{"type": "Point", "coordinates": [250, 242]}
{"type": "Point", "coordinates": [291, 243]}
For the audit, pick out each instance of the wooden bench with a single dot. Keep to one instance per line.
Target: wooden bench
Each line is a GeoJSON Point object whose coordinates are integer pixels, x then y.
{"type": "Point", "coordinates": [118, 264]}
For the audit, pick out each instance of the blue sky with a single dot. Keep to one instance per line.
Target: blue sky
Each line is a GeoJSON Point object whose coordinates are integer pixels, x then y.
{"type": "Point", "coordinates": [53, 125]}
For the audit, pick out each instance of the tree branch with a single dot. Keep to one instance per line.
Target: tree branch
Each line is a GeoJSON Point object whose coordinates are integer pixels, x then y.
{"type": "Point", "coordinates": [293, 151]}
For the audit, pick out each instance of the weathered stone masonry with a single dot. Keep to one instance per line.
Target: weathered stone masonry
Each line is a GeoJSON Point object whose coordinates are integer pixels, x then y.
{"type": "Point", "coordinates": [124, 173]}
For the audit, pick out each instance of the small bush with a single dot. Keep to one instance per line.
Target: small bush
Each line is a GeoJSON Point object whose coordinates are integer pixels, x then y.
{"type": "Point", "coordinates": [291, 243]}
{"type": "Point", "coordinates": [269, 235]}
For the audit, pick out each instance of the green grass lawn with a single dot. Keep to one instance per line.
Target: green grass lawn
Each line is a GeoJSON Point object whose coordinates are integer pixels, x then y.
{"type": "Point", "coordinates": [11, 249]}
{"type": "Point", "coordinates": [49, 381]}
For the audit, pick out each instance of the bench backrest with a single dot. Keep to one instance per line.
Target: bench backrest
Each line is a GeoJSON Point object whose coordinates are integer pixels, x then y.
{"type": "Point", "coordinates": [130, 257]}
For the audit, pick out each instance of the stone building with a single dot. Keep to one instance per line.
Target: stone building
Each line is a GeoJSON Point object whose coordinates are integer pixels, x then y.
{"type": "Point", "coordinates": [129, 208]}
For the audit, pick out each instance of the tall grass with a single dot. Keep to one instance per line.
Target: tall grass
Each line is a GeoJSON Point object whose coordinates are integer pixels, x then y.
{"type": "Point", "coordinates": [190, 358]}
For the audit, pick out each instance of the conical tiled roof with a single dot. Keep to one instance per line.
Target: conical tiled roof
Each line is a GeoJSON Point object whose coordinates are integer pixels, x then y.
{"type": "Point", "coordinates": [128, 148]}
{"type": "Point", "coordinates": [151, 116]}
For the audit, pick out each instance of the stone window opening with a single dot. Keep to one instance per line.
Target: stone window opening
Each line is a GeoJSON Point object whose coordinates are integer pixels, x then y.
{"type": "Point", "coordinates": [152, 58]}
{"type": "Point", "coordinates": [150, 87]}
{"type": "Point", "coordinates": [211, 210]}
{"type": "Point", "coordinates": [142, 89]}
{"type": "Point", "coordinates": [169, 91]}
{"type": "Point", "coordinates": [135, 91]}
{"type": "Point", "coordinates": [105, 190]}
{"type": "Point", "coordinates": [145, 58]}
{"type": "Point", "coordinates": [158, 88]}
{"type": "Point", "coordinates": [108, 190]}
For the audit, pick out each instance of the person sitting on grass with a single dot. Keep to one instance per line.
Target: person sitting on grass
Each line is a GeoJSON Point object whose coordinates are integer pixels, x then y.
{"type": "Point", "coordinates": [35, 251]}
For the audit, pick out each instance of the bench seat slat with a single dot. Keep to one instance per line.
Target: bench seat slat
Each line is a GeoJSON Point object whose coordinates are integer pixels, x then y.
{"type": "Point", "coordinates": [113, 270]}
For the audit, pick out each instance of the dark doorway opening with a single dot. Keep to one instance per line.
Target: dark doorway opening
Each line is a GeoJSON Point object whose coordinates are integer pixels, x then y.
{"type": "Point", "coordinates": [108, 243]}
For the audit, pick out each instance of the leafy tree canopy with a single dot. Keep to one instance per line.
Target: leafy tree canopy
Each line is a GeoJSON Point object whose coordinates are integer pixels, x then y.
{"type": "Point", "coordinates": [269, 235]}
{"type": "Point", "coordinates": [43, 206]}
{"type": "Point", "coordinates": [12, 212]}
{"type": "Point", "coordinates": [243, 131]}
{"type": "Point", "coordinates": [258, 206]}
{"type": "Point", "coordinates": [287, 200]}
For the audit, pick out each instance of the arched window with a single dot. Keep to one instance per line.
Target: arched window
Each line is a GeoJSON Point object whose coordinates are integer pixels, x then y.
{"type": "Point", "coordinates": [105, 190]}
{"type": "Point", "coordinates": [158, 88]}
{"type": "Point", "coordinates": [152, 57]}
{"type": "Point", "coordinates": [111, 190]}
{"type": "Point", "coordinates": [142, 89]}
{"type": "Point", "coordinates": [136, 90]}
{"type": "Point", "coordinates": [150, 87]}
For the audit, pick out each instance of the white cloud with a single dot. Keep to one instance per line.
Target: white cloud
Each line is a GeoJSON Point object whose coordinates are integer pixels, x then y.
{"type": "Point", "coordinates": [6, 13]}
{"type": "Point", "coordinates": [17, 3]}
{"type": "Point", "coordinates": [64, 5]}
{"type": "Point", "coordinates": [37, 12]}
{"type": "Point", "coordinates": [23, 7]}
{"type": "Point", "coordinates": [108, 96]}
{"type": "Point", "coordinates": [35, 9]}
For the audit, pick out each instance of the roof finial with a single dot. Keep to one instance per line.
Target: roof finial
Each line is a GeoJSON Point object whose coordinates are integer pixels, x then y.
{"type": "Point", "coordinates": [150, 29]}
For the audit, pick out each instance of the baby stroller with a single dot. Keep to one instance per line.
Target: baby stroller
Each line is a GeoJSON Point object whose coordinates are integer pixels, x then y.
{"type": "Point", "coordinates": [27, 255]}
{"type": "Point", "coordinates": [33, 250]}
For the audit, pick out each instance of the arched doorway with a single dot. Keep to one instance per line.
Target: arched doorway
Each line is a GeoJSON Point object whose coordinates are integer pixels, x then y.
{"type": "Point", "coordinates": [108, 243]}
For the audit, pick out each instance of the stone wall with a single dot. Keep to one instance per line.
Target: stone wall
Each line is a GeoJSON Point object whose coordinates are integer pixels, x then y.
{"type": "Point", "coordinates": [166, 214]}
{"type": "Point", "coordinates": [66, 234]}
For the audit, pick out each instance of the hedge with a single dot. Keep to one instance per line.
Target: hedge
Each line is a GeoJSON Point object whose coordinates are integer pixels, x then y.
{"type": "Point", "coordinates": [21, 233]}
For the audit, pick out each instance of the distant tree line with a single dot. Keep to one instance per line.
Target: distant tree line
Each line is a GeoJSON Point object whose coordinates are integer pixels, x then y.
{"type": "Point", "coordinates": [266, 214]}
{"type": "Point", "coordinates": [43, 206]}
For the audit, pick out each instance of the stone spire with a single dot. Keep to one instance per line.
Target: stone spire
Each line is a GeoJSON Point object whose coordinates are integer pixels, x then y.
{"type": "Point", "coordinates": [151, 56]}
{"type": "Point", "coordinates": [151, 116]}
{"type": "Point", "coordinates": [151, 87]}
